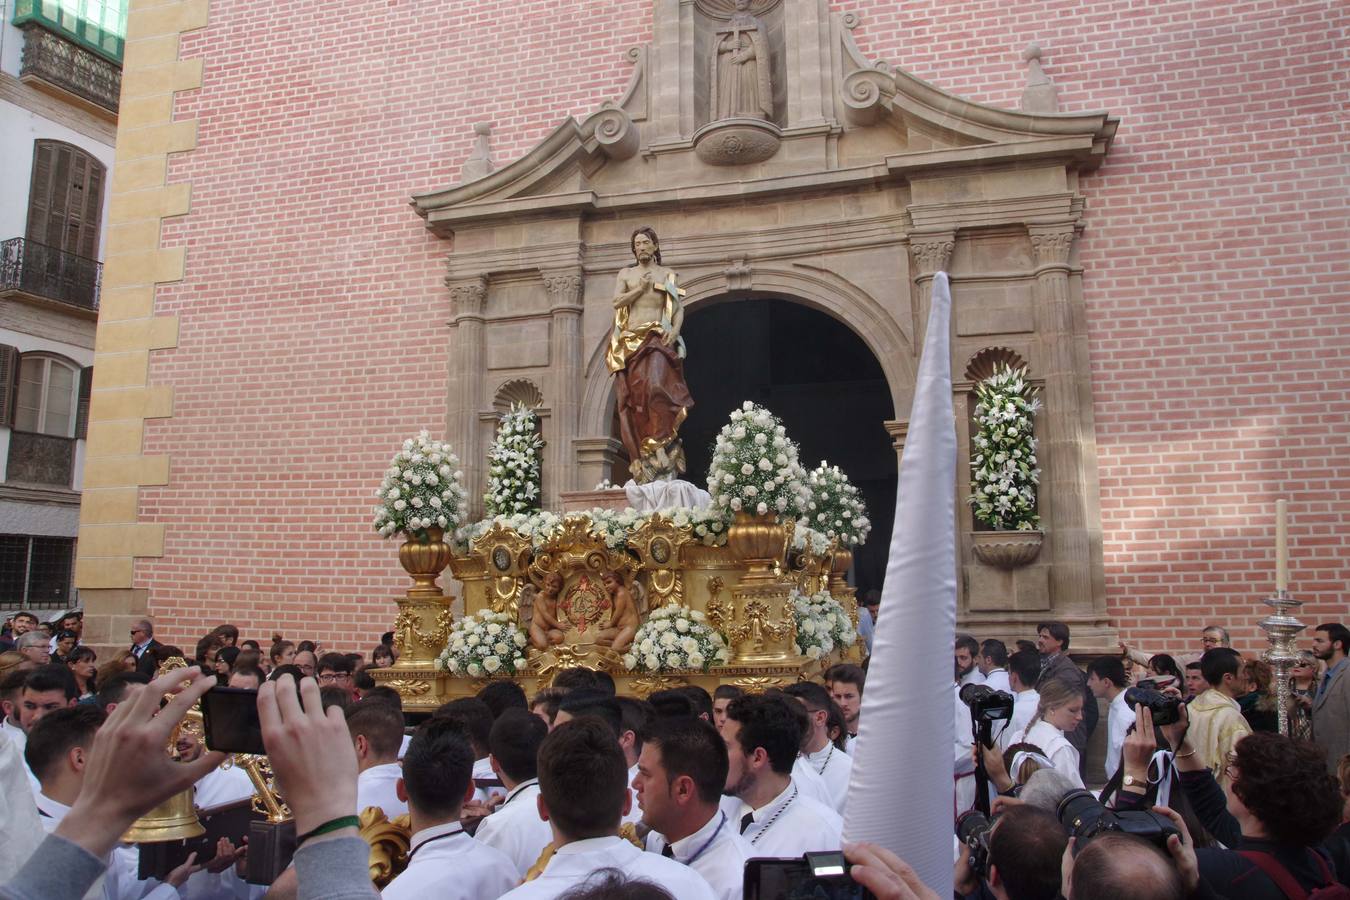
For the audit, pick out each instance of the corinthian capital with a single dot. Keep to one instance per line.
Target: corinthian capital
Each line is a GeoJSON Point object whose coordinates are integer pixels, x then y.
{"type": "Point", "coordinates": [467, 295]}
{"type": "Point", "coordinates": [932, 252]}
{"type": "Point", "coordinates": [563, 288]}
{"type": "Point", "coordinates": [1051, 243]}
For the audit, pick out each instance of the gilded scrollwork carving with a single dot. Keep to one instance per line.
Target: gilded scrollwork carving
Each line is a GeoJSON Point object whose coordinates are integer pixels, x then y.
{"type": "Point", "coordinates": [719, 609]}
{"type": "Point", "coordinates": [409, 687]}
{"type": "Point", "coordinates": [389, 840]}
{"type": "Point", "coordinates": [659, 544]}
{"type": "Point", "coordinates": [408, 630]}
{"type": "Point", "coordinates": [757, 625]}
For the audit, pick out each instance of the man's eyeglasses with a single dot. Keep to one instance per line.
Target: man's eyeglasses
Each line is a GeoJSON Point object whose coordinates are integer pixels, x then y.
{"type": "Point", "coordinates": [330, 677]}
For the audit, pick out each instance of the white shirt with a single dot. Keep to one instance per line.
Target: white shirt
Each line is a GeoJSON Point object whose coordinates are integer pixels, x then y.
{"type": "Point", "coordinates": [850, 744]}
{"type": "Point", "coordinates": [575, 863]}
{"type": "Point", "coordinates": [403, 747]}
{"type": "Point", "coordinates": [515, 827]}
{"type": "Point", "coordinates": [222, 786]}
{"type": "Point", "coordinates": [634, 811]}
{"type": "Point", "coordinates": [1056, 746]}
{"type": "Point", "coordinates": [788, 825]}
{"type": "Point", "coordinates": [1119, 718]}
{"type": "Point", "coordinates": [834, 767]}
{"type": "Point", "coordinates": [715, 851]}
{"type": "Point", "coordinates": [19, 739]}
{"type": "Point", "coordinates": [482, 771]}
{"type": "Point", "coordinates": [972, 677]}
{"type": "Point", "coordinates": [375, 787]}
{"type": "Point", "coordinates": [1024, 710]}
{"type": "Point", "coordinates": [963, 758]}
{"type": "Point", "coordinates": [20, 832]}
{"type": "Point", "coordinates": [50, 811]}
{"type": "Point", "coordinates": [810, 783]}
{"type": "Point", "coordinates": [446, 863]}
{"type": "Point", "coordinates": [998, 680]}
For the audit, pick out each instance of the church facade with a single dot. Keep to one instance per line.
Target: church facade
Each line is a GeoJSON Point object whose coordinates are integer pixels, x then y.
{"type": "Point", "coordinates": [411, 221]}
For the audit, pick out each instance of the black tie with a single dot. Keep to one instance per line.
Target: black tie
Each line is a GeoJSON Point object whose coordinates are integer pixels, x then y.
{"type": "Point", "coordinates": [746, 821]}
{"type": "Point", "coordinates": [667, 852]}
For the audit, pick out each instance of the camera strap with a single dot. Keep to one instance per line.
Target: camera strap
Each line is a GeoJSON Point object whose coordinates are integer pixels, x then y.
{"type": "Point", "coordinates": [1162, 763]}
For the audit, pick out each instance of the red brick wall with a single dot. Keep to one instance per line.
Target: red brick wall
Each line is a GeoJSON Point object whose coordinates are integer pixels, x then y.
{"type": "Point", "coordinates": [313, 331]}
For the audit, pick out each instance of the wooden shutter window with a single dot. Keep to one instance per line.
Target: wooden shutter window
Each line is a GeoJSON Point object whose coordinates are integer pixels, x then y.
{"type": "Point", "coordinates": [82, 409]}
{"type": "Point", "coordinates": [9, 382]}
{"type": "Point", "coordinates": [65, 199]}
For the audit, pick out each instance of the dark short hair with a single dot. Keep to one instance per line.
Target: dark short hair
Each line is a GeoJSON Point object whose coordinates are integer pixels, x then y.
{"type": "Point", "coordinates": [635, 715]}
{"type": "Point", "coordinates": [1194, 664]}
{"type": "Point", "coordinates": [514, 743]}
{"type": "Point", "coordinates": [771, 722]}
{"type": "Point", "coordinates": [1107, 668]}
{"type": "Point", "coordinates": [362, 680]}
{"type": "Point", "coordinates": [728, 692]}
{"type": "Point", "coordinates": [691, 747]}
{"type": "Point", "coordinates": [24, 614]}
{"type": "Point", "coordinates": [306, 646]}
{"type": "Point", "coordinates": [813, 695]}
{"type": "Point", "coordinates": [279, 647]}
{"type": "Point", "coordinates": [332, 695]}
{"type": "Point", "coordinates": [605, 682]}
{"type": "Point", "coordinates": [596, 703]}
{"type": "Point", "coordinates": [114, 690]}
{"type": "Point", "coordinates": [501, 695]}
{"type": "Point", "coordinates": [251, 644]}
{"type": "Point", "coordinates": [1057, 630]}
{"type": "Point", "coordinates": [1218, 662]}
{"type": "Point", "coordinates": [438, 767]}
{"type": "Point", "coordinates": [1027, 847]}
{"type": "Point", "coordinates": [1285, 784]}
{"type": "Point", "coordinates": [613, 884]}
{"type": "Point", "coordinates": [1166, 664]}
{"type": "Point", "coordinates": [847, 673]}
{"type": "Point", "coordinates": [246, 671]}
{"type": "Point", "coordinates": [550, 699]}
{"type": "Point", "coordinates": [334, 662]}
{"type": "Point", "coordinates": [996, 651]}
{"type": "Point", "coordinates": [968, 643]}
{"type": "Point", "coordinates": [229, 655]}
{"type": "Point", "coordinates": [703, 701]}
{"type": "Point", "coordinates": [1026, 665]}
{"type": "Point", "coordinates": [288, 669]}
{"type": "Point", "coordinates": [476, 718]}
{"type": "Point", "coordinates": [54, 677]}
{"type": "Point", "coordinates": [380, 723]}
{"type": "Point", "coordinates": [1337, 634]}
{"type": "Point", "coordinates": [81, 652]}
{"type": "Point", "coordinates": [57, 733]}
{"type": "Point", "coordinates": [583, 778]}
{"type": "Point", "coordinates": [574, 678]}
{"type": "Point", "coordinates": [227, 631]}
{"type": "Point", "coordinates": [383, 693]}
{"type": "Point", "coordinates": [672, 703]}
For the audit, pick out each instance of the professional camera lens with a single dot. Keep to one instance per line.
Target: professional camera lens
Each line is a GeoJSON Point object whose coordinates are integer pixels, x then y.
{"type": "Point", "coordinates": [1165, 709]}
{"type": "Point", "coordinates": [1082, 814]}
{"type": "Point", "coordinates": [987, 704]}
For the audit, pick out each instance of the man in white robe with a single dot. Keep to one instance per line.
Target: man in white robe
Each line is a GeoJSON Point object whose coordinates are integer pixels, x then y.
{"type": "Point", "coordinates": [764, 802]}
{"type": "Point", "coordinates": [681, 773]}
{"type": "Point", "coordinates": [377, 733]}
{"type": "Point", "coordinates": [583, 797]}
{"type": "Point", "coordinates": [514, 827]}
{"type": "Point", "coordinates": [1024, 667]}
{"type": "Point", "coordinates": [825, 760]}
{"type": "Point", "coordinates": [444, 861]}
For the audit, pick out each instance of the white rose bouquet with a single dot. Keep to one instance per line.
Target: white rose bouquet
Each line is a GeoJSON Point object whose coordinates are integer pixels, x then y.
{"type": "Point", "coordinates": [484, 644]}
{"type": "Point", "coordinates": [755, 467]}
{"type": "Point", "coordinates": [836, 506]}
{"type": "Point", "coordinates": [676, 638]}
{"type": "Point", "coordinates": [822, 624]}
{"type": "Point", "coordinates": [1003, 470]}
{"type": "Point", "coordinates": [513, 464]}
{"type": "Point", "coordinates": [422, 488]}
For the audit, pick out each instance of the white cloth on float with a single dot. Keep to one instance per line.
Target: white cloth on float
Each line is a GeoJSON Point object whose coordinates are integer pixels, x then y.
{"type": "Point", "coordinates": [446, 863]}
{"type": "Point", "coordinates": [574, 864]}
{"type": "Point", "coordinates": [658, 495]}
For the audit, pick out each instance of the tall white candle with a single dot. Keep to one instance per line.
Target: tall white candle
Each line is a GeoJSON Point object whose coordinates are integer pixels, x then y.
{"type": "Point", "coordinates": [1281, 547]}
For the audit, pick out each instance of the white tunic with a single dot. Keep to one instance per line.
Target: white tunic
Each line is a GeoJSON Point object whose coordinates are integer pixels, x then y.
{"type": "Point", "coordinates": [1024, 710]}
{"type": "Point", "coordinates": [974, 676]}
{"type": "Point", "coordinates": [19, 739]}
{"type": "Point", "coordinates": [1119, 718]}
{"type": "Point", "coordinates": [634, 811]}
{"type": "Point", "coordinates": [1056, 746]}
{"type": "Point", "coordinates": [375, 787]}
{"type": "Point", "coordinates": [446, 863]}
{"type": "Point", "coordinates": [788, 825]}
{"type": "Point", "coordinates": [515, 827]}
{"type": "Point", "coordinates": [998, 680]}
{"type": "Point", "coordinates": [482, 771]}
{"type": "Point", "coordinates": [575, 863]}
{"type": "Point", "coordinates": [850, 744]}
{"type": "Point", "coordinates": [221, 786]}
{"type": "Point", "coordinates": [834, 767]}
{"type": "Point", "coordinates": [810, 782]}
{"type": "Point", "coordinates": [715, 851]}
{"type": "Point", "coordinates": [19, 830]}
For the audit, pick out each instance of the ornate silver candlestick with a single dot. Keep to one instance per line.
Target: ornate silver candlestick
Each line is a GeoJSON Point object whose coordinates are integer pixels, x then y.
{"type": "Point", "coordinates": [1282, 630]}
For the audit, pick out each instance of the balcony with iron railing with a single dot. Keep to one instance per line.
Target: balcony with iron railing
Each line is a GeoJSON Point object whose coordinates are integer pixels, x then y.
{"type": "Point", "coordinates": [74, 51]}
{"type": "Point", "coordinates": [33, 270]}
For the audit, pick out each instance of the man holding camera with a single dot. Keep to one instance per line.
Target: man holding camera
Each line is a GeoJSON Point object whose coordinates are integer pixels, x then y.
{"type": "Point", "coordinates": [1017, 857]}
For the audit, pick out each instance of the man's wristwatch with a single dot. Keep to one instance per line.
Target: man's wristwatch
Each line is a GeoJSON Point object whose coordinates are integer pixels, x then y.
{"type": "Point", "coordinates": [1129, 781]}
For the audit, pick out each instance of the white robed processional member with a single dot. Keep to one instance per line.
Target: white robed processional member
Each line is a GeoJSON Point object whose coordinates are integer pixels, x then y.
{"type": "Point", "coordinates": [897, 766]}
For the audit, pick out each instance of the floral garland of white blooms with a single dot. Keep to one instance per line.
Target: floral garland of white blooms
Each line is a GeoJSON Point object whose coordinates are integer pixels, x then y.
{"type": "Point", "coordinates": [1003, 468]}
{"type": "Point", "coordinates": [809, 539]}
{"type": "Point", "coordinates": [836, 506]}
{"type": "Point", "coordinates": [676, 638]}
{"type": "Point", "coordinates": [421, 489]}
{"type": "Point", "coordinates": [614, 525]}
{"type": "Point", "coordinates": [822, 624]}
{"type": "Point", "coordinates": [513, 464]}
{"type": "Point", "coordinates": [484, 644]}
{"type": "Point", "coordinates": [755, 468]}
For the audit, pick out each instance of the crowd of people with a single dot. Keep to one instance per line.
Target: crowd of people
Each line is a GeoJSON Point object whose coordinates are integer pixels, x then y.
{"type": "Point", "coordinates": [582, 792]}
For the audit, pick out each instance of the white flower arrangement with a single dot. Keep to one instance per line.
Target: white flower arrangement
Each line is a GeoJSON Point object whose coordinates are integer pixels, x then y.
{"type": "Point", "coordinates": [1003, 466]}
{"type": "Point", "coordinates": [836, 506]}
{"type": "Point", "coordinates": [755, 468]}
{"type": "Point", "coordinates": [422, 488]}
{"type": "Point", "coordinates": [709, 525]}
{"type": "Point", "coordinates": [513, 464]}
{"type": "Point", "coordinates": [822, 624]}
{"type": "Point", "coordinates": [808, 539]}
{"type": "Point", "coordinates": [604, 484]}
{"type": "Point", "coordinates": [676, 638]}
{"type": "Point", "coordinates": [537, 526]}
{"type": "Point", "coordinates": [484, 644]}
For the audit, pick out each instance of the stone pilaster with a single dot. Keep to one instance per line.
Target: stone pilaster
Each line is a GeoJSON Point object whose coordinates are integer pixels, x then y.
{"type": "Point", "coordinates": [932, 252]}
{"type": "Point", "coordinates": [596, 457]}
{"type": "Point", "coordinates": [898, 429]}
{"type": "Point", "coordinates": [1063, 488]}
{"type": "Point", "coordinates": [564, 301]}
{"type": "Point", "coordinates": [468, 297]}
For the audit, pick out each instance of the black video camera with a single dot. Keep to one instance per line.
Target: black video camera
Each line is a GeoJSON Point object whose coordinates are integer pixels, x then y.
{"type": "Point", "coordinates": [973, 829]}
{"type": "Point", "coordinates": [1166, 709]}
{"type": "Point", "coordinates": [987, 704]}
{"type": "Point", "coordinates": [812, 876]}
{"type": "Point", "coordinates": [1085, 818]}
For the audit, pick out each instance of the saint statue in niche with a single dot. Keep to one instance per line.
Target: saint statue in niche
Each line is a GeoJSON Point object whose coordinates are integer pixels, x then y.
{"type": "Point", "coordinates": [740, 68]}
{"type": "Point", "coordinates": [646, 355]}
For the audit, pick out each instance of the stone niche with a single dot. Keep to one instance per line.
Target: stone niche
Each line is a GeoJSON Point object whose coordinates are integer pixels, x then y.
{"type": "Point", "coordinates": [874, 182]}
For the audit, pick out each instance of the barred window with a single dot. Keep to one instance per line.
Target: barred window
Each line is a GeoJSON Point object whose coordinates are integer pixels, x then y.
{"type": "Point", "coordinates": [36, 571]}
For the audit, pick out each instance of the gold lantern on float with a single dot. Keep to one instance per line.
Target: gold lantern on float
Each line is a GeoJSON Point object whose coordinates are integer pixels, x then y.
{"type": "Point", "coordinates": [176, 818]}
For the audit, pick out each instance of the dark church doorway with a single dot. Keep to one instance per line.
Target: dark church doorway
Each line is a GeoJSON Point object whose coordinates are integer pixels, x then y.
{"type": "Point", "coordinates": [815, 374]}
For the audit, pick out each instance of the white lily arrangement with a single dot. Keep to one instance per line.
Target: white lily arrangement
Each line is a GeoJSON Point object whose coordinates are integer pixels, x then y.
{"type": "Point", "coordinates": [513, 464]}
{"type": "Point", "coordinates": [1003, 469]}
{"type": "Point", "coordinates": [755, 467]}
{"type": "Point", "coordinates": [484, 644]}
{"type": "Point", "coordinates": [836, 506]}
{"type": "Point", "coordinates": [708, 525]}
{"type": "Point", "coordinates": [422, 488]}
{"type": "Point", "coordinates": [808, 539]}
{"type": "Point", "coordinates": [822, 624]}
{"type": "Point", "coordinates": [676, 638]}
